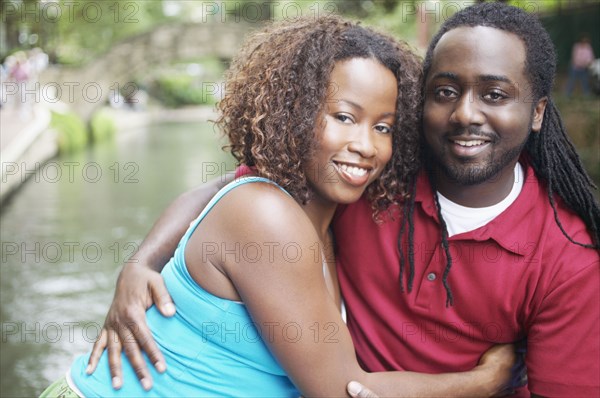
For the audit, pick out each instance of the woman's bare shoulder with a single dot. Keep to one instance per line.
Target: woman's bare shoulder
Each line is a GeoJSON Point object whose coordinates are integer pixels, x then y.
{"type": "Point", "coordinates": [262, 209]}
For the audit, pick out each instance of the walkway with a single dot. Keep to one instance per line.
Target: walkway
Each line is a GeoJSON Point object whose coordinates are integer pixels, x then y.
{"type": "Point", "coordinates": [26, 142]}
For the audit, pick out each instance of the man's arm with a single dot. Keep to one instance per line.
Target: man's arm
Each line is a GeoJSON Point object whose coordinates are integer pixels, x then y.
{"type": "Point", "coordinates": [140, 285]}
{"type": "Point", "coordinates": [563, 346]}
{"type": "Point", "coordinates": [490, 373]}
{"type": "Point", "coordinates": [276, 295]}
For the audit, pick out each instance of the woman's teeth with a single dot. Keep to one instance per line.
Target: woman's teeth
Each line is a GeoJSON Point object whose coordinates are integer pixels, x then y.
{"type": "Point", "coordinates": [357, 171]}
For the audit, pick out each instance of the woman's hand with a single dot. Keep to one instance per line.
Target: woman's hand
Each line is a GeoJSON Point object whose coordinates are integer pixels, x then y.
{"type": "Point", "coordinates": [140, 285]}
{"type": "Point", "coordinates": [505, 363]}
{"type": "Point", "coordinates": [357, 390]}
{"type": "Point", "coordinates": [125, 328]}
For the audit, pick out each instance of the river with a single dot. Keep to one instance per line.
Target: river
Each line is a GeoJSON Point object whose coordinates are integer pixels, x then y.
{"type": "Point", "coordinates": [68, 230]}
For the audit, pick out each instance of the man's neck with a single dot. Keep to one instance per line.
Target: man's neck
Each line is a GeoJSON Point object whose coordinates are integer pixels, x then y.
{"type": "Point", "coordinates": [485, 194]}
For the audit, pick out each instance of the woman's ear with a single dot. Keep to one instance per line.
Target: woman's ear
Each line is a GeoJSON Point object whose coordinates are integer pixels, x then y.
{"type": "Point", "coordinates": [538, 114]}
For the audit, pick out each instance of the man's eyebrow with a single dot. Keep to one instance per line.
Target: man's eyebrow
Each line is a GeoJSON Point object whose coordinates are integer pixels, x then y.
{"type": "Point", "coordinates": [448, 75]}
{"type": "Point", "coordinates": [495, 78]}
{"type": "Point", "coordinates": [484, 78]}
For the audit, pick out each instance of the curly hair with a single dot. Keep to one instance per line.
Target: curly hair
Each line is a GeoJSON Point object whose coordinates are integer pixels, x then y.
{"type": "Point", "coordinates": [278, 84]}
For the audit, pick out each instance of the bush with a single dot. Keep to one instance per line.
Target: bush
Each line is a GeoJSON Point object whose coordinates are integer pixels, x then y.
{"type": "Point", "coordinates": [582, 121]}
{"type": "Point", "coordinates": [177, 90]}
{"type": "Point", "coordinates": [72, 133]}
{"type": "Point", "coordinates": [102, 126]}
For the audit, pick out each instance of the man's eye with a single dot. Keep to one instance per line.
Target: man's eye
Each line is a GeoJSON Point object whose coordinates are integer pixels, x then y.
{"type": "Point", "coordinates": [495, 96]}
{"type": "Point", "coordinates": [445, 93]}
{"type": "Point", "coordinates": [384, 129]}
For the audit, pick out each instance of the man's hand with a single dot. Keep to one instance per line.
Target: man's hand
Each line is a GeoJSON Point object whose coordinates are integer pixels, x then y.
{"type": "Point", "coordinates": [125, 328]}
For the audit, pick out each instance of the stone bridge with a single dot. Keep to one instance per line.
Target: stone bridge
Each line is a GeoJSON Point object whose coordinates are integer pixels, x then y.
{"type": "Point", "coordinates": [86, 88]}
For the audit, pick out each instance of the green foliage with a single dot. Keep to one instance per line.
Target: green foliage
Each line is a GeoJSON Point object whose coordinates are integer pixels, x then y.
{"type": "Point", "coordinates": [73, 32]}
{"type": "Point", "coordinates": [180, 89]}
{"type": "Point", "coordinates": [72, 134]}
{"type": "Point", "coordinates": [396, 18]}
{"type": "Point", "coordinates": [102, 126]}
{"type": "Point", "coordinates": [582, 121]}
{"type": "Point", "coordinates": [96, 25]}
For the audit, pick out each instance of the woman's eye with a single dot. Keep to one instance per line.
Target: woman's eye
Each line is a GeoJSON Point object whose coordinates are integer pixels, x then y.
{"type": "Point", "coordinates": [343, 118]}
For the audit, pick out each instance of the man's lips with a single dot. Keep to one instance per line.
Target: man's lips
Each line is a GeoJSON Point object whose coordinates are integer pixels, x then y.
{"type": "Point", "coordinates": [468, 146]}
{"type": "Point", "coordinates": [468, 143]}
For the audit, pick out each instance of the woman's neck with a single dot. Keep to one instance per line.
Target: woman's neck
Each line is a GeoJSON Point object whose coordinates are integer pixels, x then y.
{"type": "Point", "coordinates": [320, 215]}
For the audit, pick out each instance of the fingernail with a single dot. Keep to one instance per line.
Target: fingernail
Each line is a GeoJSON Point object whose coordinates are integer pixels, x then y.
{"type": "Point", "coordinates": [169, 308]}
{"type": "Point", "coordinates": [354, 388]}
{"type": "Point", "coordinates": [146, 384]}
{"type": "Point", "coordinates": [88, 370]}
{"type": "Point", "coordinates": [116, 382]}
{"type": "Point", "coordinates": [160, 366]}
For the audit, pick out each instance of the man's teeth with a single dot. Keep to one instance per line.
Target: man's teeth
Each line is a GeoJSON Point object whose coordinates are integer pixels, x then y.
{"type": "Point", "coordinates": [469, 143]}
{"type": "Point", "coordinates": [357, 171]}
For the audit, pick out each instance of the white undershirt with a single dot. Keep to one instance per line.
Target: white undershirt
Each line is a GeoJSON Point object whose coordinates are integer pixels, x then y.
{"type": "Point", "coordinates": [460, 219]}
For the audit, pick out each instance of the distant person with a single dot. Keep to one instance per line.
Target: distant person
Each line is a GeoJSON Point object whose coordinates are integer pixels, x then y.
{"type": "Point", "coordinates": [38, 61]}
{"type": "Point", "coordinates": [3, 80]}
{"type": "Point", "coordinates": [20, 72]}
{"type": "Point", "coordinates": [582, 57]}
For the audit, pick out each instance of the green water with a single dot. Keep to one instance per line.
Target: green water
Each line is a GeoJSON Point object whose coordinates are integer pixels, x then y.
{"type": "Point", "coordinates": [66, 233]}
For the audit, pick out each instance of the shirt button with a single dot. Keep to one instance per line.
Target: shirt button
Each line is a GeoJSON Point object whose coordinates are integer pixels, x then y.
{"type": "Point", "coordinates": [431, 276]}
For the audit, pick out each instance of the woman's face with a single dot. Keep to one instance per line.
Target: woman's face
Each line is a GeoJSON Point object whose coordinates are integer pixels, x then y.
{"type": "Point", "coordinates": [354, 130]}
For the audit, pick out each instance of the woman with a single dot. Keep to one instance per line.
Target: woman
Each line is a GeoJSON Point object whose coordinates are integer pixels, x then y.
{"type": "Point", "coordinates": [320, 112]}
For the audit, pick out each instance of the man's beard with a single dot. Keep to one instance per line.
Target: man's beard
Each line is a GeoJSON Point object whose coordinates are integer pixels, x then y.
{"type": "Point", "coordinates": [464, 173]}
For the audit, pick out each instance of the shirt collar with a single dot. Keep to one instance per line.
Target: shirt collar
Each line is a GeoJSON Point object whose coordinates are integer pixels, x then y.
{"type": "Point", "coordinates": [508, 228]}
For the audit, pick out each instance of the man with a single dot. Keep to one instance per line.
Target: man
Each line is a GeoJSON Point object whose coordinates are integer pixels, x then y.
{"type": "Point", "coordinates": [497, 242]}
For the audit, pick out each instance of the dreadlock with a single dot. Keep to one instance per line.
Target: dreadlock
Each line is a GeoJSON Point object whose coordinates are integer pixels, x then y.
{"type": "Point", "coordinates": [554, 158]}
{"type": "Point", "coordinates": [551, 152]}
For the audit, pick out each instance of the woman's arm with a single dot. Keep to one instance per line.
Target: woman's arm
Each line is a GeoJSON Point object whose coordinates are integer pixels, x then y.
{"type": "Point", "coordinates": [286, 296]}
{"type": "Point", "coordinates": [140, 285]}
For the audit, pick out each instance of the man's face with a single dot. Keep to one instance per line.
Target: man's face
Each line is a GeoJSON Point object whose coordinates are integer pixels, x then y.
{"type": "Point", "coordinates": [479, 108]}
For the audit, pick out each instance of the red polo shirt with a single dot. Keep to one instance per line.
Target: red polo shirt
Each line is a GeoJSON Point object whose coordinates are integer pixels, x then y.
{"type": "Point", "coordinates": [516, 276]}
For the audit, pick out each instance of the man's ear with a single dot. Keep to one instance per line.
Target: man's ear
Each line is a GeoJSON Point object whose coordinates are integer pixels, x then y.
{"type": "Point", "coordinates": [538, 114]}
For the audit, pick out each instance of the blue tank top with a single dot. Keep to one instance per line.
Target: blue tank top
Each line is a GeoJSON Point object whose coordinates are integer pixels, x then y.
{"type": "Point", "coordinates": [211, 345]}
